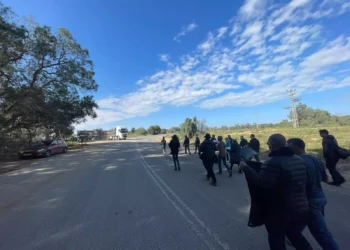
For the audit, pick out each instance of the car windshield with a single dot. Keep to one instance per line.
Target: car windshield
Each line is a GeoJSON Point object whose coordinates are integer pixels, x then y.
{"type": "Point", "coordinates": [123, 130]}
{"type": "Point", "coordinates": [47, 143]}
{"type": "Point", "coordinates": [38, 143]}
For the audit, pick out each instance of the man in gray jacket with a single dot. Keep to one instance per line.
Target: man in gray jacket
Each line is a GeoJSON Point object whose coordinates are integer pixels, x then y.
{"type": "Point", "coordinates": [284, 175]}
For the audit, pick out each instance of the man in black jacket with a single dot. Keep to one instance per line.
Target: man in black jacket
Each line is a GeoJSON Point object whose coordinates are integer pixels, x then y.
{"type": "Point", "coordinates": [255, 145]}
{"type": "Point", "coordinates": [330, 145]}
{"type": "Point", "coordinates": [187, 145]}
{"type": "Point", "coordinates": [207, 154]}
{"type": "Point", "coordinates": [285, 175]}
{"type": "Point", "coordinates": [243, 142]}
{"type": "Point", "coordinates": [197, 143]}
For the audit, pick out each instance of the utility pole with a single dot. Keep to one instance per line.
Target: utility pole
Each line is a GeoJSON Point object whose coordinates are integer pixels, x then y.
{"type": "Point", "coordinates": [257, 120]}
{"type": "Point", "coordinates": [292, 108]}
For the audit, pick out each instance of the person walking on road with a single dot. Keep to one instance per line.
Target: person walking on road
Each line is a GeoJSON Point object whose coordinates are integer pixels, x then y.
{"type": "Point", "coordinates": [208, 156]}
{"type": "Point", "coordinates": [221, 147]}
{"type": "Point", "coordinates": [330, 153]}
{"type": "Point", "coordinates": [317, 199]}
{"type": "Point", "coordinates": [243, 142]}
{"type": "Point", "coordinates": [187, 145]}
{"type": "Point", "coordinates": [163, 143]}
{"type": "Point", "coordinates": [174, 146]}
{"type": "Point", "coordinates": [197, 143]}
{"type": "Point", "coordinates": [235, 155]}
{"type": "Point", "coordinates": [228, 148]}
{"type": "Point", "coordinates": [230, 138]}
{"type": "Point", "coordinates": [285, 175]}
{"type": "Point", "coordinates": [255, 145]}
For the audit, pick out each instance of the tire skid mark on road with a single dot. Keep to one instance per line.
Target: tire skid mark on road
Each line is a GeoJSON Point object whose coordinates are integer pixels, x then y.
{"type": "Point", "coordinates": [159, 182]}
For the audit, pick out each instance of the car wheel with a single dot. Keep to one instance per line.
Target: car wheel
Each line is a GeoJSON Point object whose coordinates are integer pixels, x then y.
{"type": "Point", "coordinates": [65, 150]}
{"type": "Point", "coordinates": [48, 153]}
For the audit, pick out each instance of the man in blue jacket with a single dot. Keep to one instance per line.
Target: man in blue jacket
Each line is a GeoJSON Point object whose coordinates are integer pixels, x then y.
{"type": "Point", "coordinates": [317, 199]}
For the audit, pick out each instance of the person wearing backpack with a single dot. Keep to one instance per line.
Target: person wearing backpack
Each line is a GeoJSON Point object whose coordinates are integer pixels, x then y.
{"type": "Point", "coordinates": [331, 155]}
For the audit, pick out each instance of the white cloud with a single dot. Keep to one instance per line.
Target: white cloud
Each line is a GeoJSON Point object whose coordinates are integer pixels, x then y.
{"type": "Point", "coordinates": [221, 32]}
{"type": "Point", "coordinates": [192, 26]}
{"type": "Point", "coordinates": [164, 57]}
{"type": "Point", "coordinates": [252, 8]}
{"type": "Point", "coordinates": [338, 51]}
{"type": "Point", "coordinates": [207, 45]}
{"type": "Point", "coordinates": [255, 59]}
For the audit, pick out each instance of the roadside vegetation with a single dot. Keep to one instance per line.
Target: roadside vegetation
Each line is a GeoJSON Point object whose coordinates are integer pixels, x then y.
{"type": "Point", "coordinates": [46, 82]}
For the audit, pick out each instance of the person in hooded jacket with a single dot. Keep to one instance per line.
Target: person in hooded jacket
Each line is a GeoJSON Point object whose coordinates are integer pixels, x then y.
{"type": "Point", "coordinates": [330, 145]}
{"type": "Point", "coordinates": [208, 156]}
{"type": "Point", "coordinates": [174, 146]}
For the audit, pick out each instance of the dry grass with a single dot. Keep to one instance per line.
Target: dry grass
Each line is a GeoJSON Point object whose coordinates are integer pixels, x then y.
{"type": "Point", "coordinates": [309, 135]}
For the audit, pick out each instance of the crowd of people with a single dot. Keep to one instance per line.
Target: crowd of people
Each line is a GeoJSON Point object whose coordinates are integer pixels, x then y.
{"type": "Point", "coordinates": [292, 176]}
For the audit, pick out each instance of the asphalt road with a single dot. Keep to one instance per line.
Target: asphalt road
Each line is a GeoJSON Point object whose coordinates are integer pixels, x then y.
{"type": "Point", "coordinates": [125, 195]}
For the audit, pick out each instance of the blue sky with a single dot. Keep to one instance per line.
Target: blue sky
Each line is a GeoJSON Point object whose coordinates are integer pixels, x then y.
{"type": "Point", "coordinates": [229, 62]}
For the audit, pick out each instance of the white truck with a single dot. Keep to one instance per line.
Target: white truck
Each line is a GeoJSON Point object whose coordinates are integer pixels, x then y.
{"type": "Point", "coordinates": [121, 133]}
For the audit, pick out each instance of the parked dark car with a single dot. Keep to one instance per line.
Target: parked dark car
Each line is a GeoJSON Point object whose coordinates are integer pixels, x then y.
{"type": "Point", "coordinates": [44, 148]}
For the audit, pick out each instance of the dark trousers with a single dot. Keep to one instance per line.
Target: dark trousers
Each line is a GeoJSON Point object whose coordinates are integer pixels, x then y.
{"type": "Point", "coordinates": [237, 166]}
{"type": "Point", "coordinates": [223, 160]}
{"type": "Point", "coordinates": [318, 227]}
{"type": "Point", "coordinates": [176, 160]}
{"type": "Point", "coordinates": [257, 158]}
{"type": "Point", "coordinates": [187, 148]}
{"type": "Point", "coordinates": [287, 225]}
{"type": "Point", "coordinates": [209, 165]}
{"type": "Point", "coordinates": [196, 149]}
{"type": "Point", "coordinates": [331, 164]}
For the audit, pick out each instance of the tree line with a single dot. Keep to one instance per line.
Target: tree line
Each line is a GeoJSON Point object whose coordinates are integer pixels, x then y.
{"type": "Point", "coordinates": [189, 127]}
{"type": "Point", "coordinates": [46, 80]}
{"type": "Point", "coordinates": [307, 116]}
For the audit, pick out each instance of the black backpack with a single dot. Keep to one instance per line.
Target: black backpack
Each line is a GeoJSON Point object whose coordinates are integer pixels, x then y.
{"type": "Point", "coordinates": [343, 153]}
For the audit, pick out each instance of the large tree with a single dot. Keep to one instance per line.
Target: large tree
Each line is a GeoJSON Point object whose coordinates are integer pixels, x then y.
{"type": "Point", "coordinates": [45, 78]}
{"type": "Point", "coordinates": [154, 130]}
{"type": "Point", "coordinates": [189, 127]}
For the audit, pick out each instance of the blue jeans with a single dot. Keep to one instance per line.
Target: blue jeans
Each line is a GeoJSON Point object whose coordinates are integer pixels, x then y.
{"type": "Point", "coordinates": [318, 227]}
{"type": "Point", "coordinates": [176, 160]}
{"type": "Point", "coordinates": [223, 159]}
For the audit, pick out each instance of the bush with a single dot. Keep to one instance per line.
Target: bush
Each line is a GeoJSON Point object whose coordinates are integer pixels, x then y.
{"type": "Point", "coordinates": [141, 131]}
